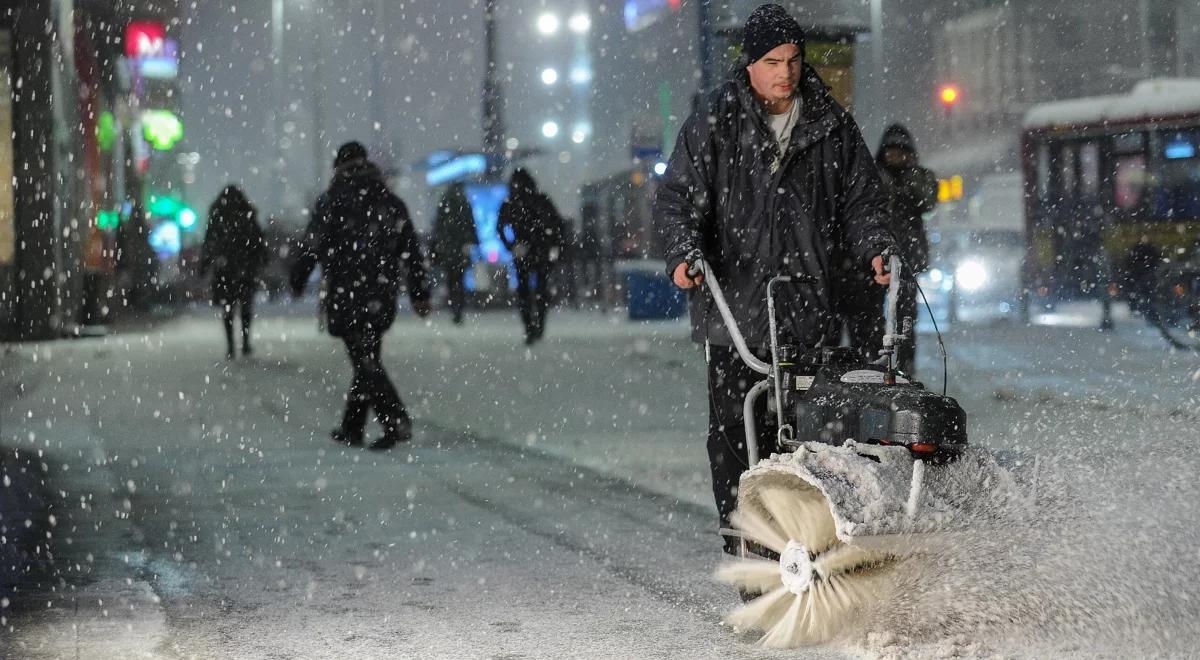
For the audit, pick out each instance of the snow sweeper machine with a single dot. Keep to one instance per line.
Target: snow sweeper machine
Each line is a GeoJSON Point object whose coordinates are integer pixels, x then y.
{"type": "Point", "coordinates": [873, 469]}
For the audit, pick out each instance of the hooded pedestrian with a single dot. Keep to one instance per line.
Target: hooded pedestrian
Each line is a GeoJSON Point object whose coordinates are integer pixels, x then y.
{"type": "Point", "coordinates": [912, 193]}
{"type": "Point", "coordinates": [361, 236]}
{"type": "Point", "coordinates": [454, 238]}
{"type": "Point", "coordinates": [769, 175]}
{"type": "Point", "coordinates": [235, 251]}
{"type": "Point", "coordinates": [530, 227]}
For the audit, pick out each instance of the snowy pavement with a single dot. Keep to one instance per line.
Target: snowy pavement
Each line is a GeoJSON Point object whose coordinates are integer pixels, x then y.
{"type": "Point", "coordinates": [555, 501]}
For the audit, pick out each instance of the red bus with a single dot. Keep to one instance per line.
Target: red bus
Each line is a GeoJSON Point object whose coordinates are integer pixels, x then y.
{"type": "Point", "coordinates": [1106, 178]}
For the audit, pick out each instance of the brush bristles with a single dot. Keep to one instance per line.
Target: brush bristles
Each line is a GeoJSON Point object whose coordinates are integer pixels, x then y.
{"type": "Point", "coordinates": [801, 514]}
{"type": "Point", "coordinates": [756, 526]}
{"type": "Point", "coordinates": [762, 612]}
{"type": "Point", "coordinates": [845, 581]}
{"type": "Point", "coordinates": [753, 575]}
{"type": "Point", "coordinates": [845, 559]}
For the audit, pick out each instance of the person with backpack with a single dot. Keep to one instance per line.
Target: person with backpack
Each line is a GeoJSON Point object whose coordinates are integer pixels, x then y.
{"type": "Point", "coordinates": [363, 239]}
{"type": "Point", "coordinates": [235, 251]}
{"type": "Point", "coordinates": [530, 227]}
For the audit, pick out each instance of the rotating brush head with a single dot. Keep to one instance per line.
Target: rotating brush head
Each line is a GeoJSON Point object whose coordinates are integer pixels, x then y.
{"type": "Point", "coordinates": [817, 583]}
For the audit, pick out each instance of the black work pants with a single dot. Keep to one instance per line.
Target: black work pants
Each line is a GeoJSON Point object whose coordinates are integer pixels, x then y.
{"type": "Point", "coordinates": [729, 379]}
{"type": "Point", "coordinates": [532, 296]}
{"type": "Point", "coordinates": [370, 388]}
{"type": "Point", "coordinates": [456, 291]}
{"type": "Point", "coordinates": [238, 300]}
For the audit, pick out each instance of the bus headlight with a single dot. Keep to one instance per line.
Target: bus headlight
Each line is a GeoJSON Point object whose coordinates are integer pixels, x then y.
{"type": "Point", "coordinates": [971, 275]}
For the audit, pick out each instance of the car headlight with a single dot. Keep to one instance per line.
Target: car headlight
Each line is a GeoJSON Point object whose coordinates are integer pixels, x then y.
{"type": "Point", "coordinates": [971, 275]}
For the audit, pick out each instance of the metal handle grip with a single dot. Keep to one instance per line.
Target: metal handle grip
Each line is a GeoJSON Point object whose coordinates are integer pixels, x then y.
{"type": "Point", "coordinates": [739, 341]}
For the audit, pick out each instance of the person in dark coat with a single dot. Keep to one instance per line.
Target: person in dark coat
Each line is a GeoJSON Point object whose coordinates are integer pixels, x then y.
{"type": "Point", "coordinates": [361, 236]}
{"type": "Point", "coordinates": [769, 175]}
{"type": "Point", "coordinates": [235, 251]}
{"type": "Point", "coordinates": [911, 193]}
{"type": "Point", "coordinates": [454, 237]}
{"type": "Point", "coordinates": [530, 227]}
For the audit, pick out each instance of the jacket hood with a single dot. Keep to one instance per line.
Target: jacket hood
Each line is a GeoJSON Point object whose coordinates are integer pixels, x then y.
{"type": "Point", "coordinates": [896, 136]}
{"type": "Point", "coordinates": [357, 171]}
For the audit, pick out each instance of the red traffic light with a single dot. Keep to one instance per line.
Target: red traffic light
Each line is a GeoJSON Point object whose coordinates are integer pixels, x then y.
{"type": "Point", "coordinates": [949, 95]}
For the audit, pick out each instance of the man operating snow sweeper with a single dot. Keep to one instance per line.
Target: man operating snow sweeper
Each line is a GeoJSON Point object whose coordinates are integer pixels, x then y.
{"type": "Point", "coordinates": [769, 176]}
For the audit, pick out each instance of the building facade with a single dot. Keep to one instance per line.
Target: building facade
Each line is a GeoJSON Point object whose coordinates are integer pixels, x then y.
{"type": "Point", "coordinates": [66, 166]}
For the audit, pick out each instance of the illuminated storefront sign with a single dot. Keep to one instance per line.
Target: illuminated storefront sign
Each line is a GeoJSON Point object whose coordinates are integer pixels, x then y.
{"type": "Point", "coordinates": [145, 39]}
{"type": "Point", "coordinates": [162, 129]}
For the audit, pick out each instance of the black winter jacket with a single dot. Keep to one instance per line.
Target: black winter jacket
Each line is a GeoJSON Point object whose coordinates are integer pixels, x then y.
{"type": "Point", "coordinates": [821, 207]}
{"type": "Point", "coordinates": [534, 223]}
{"type": "Point", "coordinates": [454, 230]}
{"type": "Point", "coordinates": [234, 248]}
{"type": "Point", "coordinates": [361, 235]}
{"type": "Point", "coordinates": [912, 192]}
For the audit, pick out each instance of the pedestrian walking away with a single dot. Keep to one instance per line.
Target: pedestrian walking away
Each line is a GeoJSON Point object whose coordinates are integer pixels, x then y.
{"type": "Point", "coordinates": [530, 226]}
{"type": "Point", "coordinates": [769, 175]}
{"type": "Point", "coordinates": [362, 237]}
{"type": "Point", "coordinates": [454, 238]}
{"type": "Point", "coordinates": [235, 252]}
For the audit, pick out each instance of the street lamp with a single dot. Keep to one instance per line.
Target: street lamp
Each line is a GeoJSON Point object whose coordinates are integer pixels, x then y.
{"type": "Point", "coordinates": [547, 24]}
{"type": "Point", "coordinates": [579, 23]}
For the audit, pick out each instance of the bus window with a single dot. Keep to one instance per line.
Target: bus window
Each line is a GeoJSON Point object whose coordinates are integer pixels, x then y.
{"type": "Point", "coordinates": [1067, 174]}
{"type": "Point", "coordinates": [1130, 182]}
{"type": "Point", "coordinates": [1043, 171]}
{"type": "Point", "coordinates": [1089, 172]}
{"type": "Point", "coordinates": [1130, 175]}
{"type": "Point", "coordinates": [1176, 195]}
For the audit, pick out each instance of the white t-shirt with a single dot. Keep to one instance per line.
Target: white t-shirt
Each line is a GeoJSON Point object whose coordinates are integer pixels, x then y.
{"type": "Point", "coordinates": [783, 123]}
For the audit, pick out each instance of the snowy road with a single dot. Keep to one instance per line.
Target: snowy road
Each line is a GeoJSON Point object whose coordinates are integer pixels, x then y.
{"type": "Point", "coordinates": [554, 503]}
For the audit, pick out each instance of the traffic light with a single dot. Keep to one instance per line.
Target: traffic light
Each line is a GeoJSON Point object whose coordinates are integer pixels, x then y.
{"type": "Point", "coordinates": [949, 95]}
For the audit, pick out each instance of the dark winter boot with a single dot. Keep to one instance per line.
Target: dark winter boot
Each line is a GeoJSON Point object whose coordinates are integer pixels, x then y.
{"type": "Point", "coordinates": [393, 435]}
{"type": "Point", "coordinates": [346, 438]}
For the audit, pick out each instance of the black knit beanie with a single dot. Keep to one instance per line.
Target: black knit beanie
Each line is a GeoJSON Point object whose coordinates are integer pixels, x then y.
{"type": "Point", "coordinates": [770, 26]}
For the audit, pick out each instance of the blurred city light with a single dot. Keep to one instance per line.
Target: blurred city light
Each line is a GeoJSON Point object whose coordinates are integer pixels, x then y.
{"type": "Point", "coordinates": [581, 75]}
{"type": "Point", "coordinates": [547, 24]}
{"type": "Point", "coordinates": [549, 76]}
{"type": "Point", "coordinates": [187, 218]}
{"type": "Point", "coordinates": [550, 129]}
{"type": "Point", "coordinates": [579, 23]}
{"type": "Point", "coordinates": [660, 168]}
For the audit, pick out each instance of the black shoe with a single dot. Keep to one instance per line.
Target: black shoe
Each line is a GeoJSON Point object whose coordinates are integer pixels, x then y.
{"type": "Point", "coordinates": [350, 439]}
{"type": "Point", "coordinates": [247, 351]}
{"type": "Point", "coordinates": [229, 354]}
{"type": "Point", "coordinates": [458, 318]}
{"type": "Point", "coordinates": [391, 438]}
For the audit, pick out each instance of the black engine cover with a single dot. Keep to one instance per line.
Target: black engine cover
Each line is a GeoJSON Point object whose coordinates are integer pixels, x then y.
{"type": "Point", "coordinates": [835, 397]}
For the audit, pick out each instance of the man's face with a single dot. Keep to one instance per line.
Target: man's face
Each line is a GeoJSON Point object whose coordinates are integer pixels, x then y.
{"type": "Point", "coordinates": [776, 76]}
{"type": "Point", "coordinates": [894, 157]}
